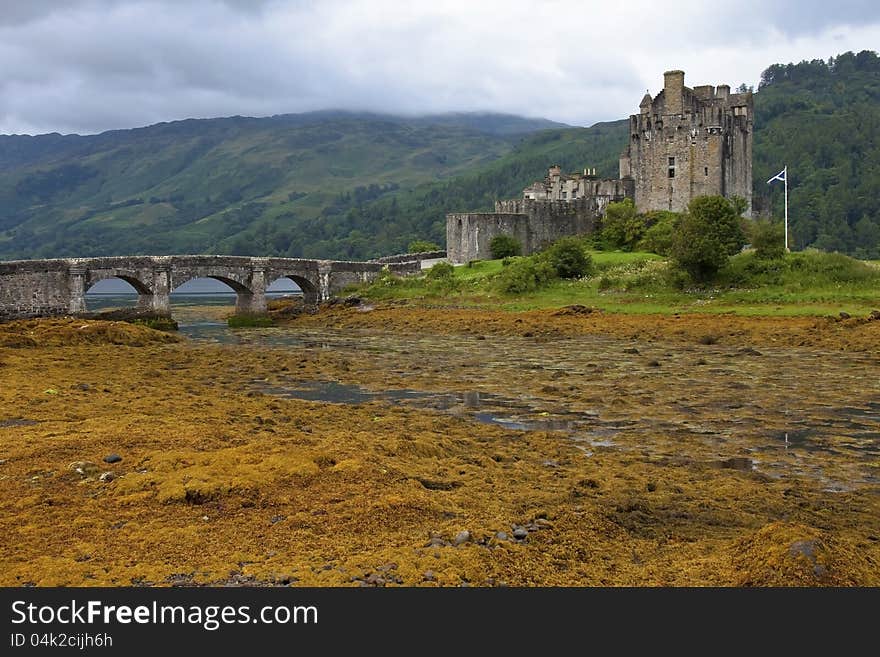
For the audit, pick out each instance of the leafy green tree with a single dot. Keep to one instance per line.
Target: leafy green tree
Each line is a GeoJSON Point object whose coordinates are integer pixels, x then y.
{"type": "Point", "coordinates": [706, 237]}
{"type": "Point", "coordinates": [659, 236]}
{"type": "Point", "coordinates": [720, 217]}
{"type": "Point", "coordinates": [568, 258]}
{"type": "Point", "coordinates": [504, 246]}
{"type": "Point", "coordinates": [622, 228]}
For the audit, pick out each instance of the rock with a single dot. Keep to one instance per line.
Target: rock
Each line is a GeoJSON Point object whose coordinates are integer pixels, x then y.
{"type": "Point", "coordinates": [462, 537]}
{"type": "Point", "coordinates": [502, 536]}
{"type": "Point", "coordinates": [429, 576]}
{"type": "Point", "coordinates": [653, 363]}
{"type": "Point", "coordinates": [374, 579]}
{"type": "Point", "coordinates": [550, 463]}
{"type": "Point", "coordinates": [631, 350]}
{"type": "Point", "coordinates": [435, 541]}
{"type": "Point", "coordinates": [112, 458]}
{"type": "Point", "coordinates": [276, 519]}
{"type": "Point", "coordinates": [748, 351]}
{"type": "Point", "coordinates": [387, 567]}
{"type": "Point", "coordinates": [543, 523]}
{"type": "Point", "coordinates": [844, 315]}
{"type": "Point", "coordinates": [85, 469]}
{"type": "Point", "coordinates": [82, 386]}
{"type": "Point", "coordinates": [737, 463]}
{"type": "Point", "coordinates": [520, 533]}
{"type": "Point", "coordinates": [874, 316]}
{"type": "Point", "coordinates": [107, 477]}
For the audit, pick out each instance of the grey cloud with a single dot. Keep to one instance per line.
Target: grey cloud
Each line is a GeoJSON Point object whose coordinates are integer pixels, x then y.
{"type": "Point", "coordinates": [102, 64]}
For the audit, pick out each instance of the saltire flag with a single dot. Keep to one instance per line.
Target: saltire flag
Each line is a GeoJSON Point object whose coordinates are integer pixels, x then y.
{"type": "Point", "coordinates": [779, 176]}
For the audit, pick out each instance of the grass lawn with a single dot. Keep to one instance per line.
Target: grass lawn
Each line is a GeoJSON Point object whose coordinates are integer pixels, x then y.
{"type": "Point", "coordinates": [808, 283]}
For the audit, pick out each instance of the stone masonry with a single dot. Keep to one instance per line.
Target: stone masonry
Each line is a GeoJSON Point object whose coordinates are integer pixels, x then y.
{"type": "Point", "coordinates": [687, 142]}
{"type": "Point", "coordinates": [35, 288]}
{"type": "Point", "coordinates": [683, 143]}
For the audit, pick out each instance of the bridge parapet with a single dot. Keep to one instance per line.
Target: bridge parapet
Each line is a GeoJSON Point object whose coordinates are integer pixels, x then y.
{"type": "Point", "coordinates": [34, 288]}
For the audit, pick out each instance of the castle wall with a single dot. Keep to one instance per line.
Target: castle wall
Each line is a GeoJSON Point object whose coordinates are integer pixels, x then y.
{"type": "Point", "coordinates": [535, 224]}
{"type": "Point", "coordinates": [689, 142]}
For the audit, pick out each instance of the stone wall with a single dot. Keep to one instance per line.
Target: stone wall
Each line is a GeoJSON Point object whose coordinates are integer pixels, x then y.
{"type": "Point", "coordinates": [687, 142]}
{"type": "Point", "coordinates": [34, 288]}
{"type": "Point", "coordinates": [535, 224]}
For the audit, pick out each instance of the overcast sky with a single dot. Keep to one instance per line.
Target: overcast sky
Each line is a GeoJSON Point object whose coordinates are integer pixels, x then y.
{"type": "Point", "coordinates": [91, 65]}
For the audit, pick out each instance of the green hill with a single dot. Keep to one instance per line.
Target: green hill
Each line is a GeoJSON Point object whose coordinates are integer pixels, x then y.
{"type": "Point", "coordinates": [347, 185]}
{"type": "Point", "coordinates": [225, 185]}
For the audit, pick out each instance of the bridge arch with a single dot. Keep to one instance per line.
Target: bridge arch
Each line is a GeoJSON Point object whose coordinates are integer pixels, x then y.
{"type": "Point", "coordinates": [310, 291]}
{"type": "Point", "coordinates": [145, 294]}
{"type": "Point", "coordinates": [244, 295]}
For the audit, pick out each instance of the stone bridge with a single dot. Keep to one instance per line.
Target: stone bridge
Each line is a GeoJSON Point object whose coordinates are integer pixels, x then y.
{"type": "Point", "coordinates": [34, 288]}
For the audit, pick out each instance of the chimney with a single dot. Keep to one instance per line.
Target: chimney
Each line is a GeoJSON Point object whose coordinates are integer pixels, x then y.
{"type": "Point", "coordinates": [673, 90]}
{"type": "Point", "coordinates": [723, 91]}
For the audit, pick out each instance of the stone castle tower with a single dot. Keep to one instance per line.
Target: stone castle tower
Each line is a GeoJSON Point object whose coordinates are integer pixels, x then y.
{"type": "Point", "coordinates": [683, 143]}
{"type": "Point", "coordinates": [689, 142]}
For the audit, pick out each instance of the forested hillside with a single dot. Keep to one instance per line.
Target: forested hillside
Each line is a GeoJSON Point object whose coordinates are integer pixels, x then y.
{"type": "Point", "coordinates": [822, 119]}
{"type": "Point", "coordinates": [344, 185]}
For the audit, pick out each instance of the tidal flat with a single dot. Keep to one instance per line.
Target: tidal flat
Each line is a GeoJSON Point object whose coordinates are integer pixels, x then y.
{"type": "Point", "coordinates": [404, 446]}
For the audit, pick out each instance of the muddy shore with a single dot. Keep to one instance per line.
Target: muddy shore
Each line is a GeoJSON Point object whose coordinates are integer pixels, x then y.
{"type": "Point", "coordinates": [672, 475]}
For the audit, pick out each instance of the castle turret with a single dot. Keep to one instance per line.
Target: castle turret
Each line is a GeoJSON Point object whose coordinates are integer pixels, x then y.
{"type": "Point", "coordinates": [673, 91]}
{"type": "Point", "coordinates": [688, 143]}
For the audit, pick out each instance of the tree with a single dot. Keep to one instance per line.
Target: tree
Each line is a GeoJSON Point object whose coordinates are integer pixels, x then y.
{"type": "Point", "coordinates": [720, 217]}
{"type": "Point", "coordinates": [708, 234]}
{"type": "Point", "coordinates": [421, 246]}
{"type": "Point", "coordinates": [622, 228]}
{"type": "Point", "coordinates": [504, 246]}
{"type": "Point", "coordinates": [568, 258]}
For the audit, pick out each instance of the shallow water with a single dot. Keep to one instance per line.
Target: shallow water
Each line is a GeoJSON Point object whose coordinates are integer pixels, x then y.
{"type": "Point", "coordinates": [790, 412]}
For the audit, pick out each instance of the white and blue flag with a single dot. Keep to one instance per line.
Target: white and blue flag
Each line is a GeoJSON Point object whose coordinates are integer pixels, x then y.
{"type": "Point", "coordinates": [779, 176]}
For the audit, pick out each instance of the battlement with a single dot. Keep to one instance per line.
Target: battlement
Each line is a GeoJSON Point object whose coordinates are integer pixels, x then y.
{"type": "Point", "coordinates": [689, 142]}
{"type": "Point", "coordinates": [683, 143]}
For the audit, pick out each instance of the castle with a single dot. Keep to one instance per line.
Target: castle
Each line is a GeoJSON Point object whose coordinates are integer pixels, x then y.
{"type": "Point", "coordinates": [683, 143]}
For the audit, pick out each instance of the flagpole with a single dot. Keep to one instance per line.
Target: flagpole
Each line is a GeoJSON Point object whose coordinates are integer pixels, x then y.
{"type": "Point", "coordinates": [785, 180]}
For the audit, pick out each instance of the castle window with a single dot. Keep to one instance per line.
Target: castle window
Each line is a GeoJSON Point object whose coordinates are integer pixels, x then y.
{"type": "Point", "coordinates": [671, 169]}
{"type": "Point", "coordinates": [564, 194]}
{"type": "Point", "coordinates": [706, 170]}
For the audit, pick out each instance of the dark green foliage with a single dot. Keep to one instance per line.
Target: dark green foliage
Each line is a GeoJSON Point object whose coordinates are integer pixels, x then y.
{"type": "Point", "coordinates": [504, 246]}
{"type": "Point", "coordinates": [524, 275]}
{"type": "Point", "coordinates": [421, 246]}
{"type": "Point", "coordinates": [441, 279]}
{"type": "Point", "coordinates": [720, 217]}
{"type": "Point", "coordinates": [622, 228]}
{"type": "Point", "coordinates": [822, 119]}
{"type": "Point", "coordinates": [707, 235]}
{"type": "Point", "coordinates": [768, 239]}
{"type": "Point", "coordinates": [441, 270]}
{"type": "Point", "coordinates": [568, 258]}
{"type": "Point", "coordinates": [660, 233]}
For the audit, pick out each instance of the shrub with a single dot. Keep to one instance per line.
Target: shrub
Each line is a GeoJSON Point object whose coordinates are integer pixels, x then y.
{"type": "Point", "coordinates": [568, 258]}
{"type": "Point", "coordinates": [503, 246]}
{"type": "Point", "coordinates": [622, 228]}
{"type": "Point", "coordinates": [658, 238]}
{"type": "Point", "coordinates": [706, 236]}
{"type": "Point", "coordinates": [525, 275]}
{"type": "Point", "coordinates": [719, 217]}
{"type": "Point", "coordinates": [697, 251]}
{"type": "Point", "coordinates": [768, 238]}
{"type": "Point", "coordinates": [441, 270]}
{"type": "Point", "coordinates": [421, 246]}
